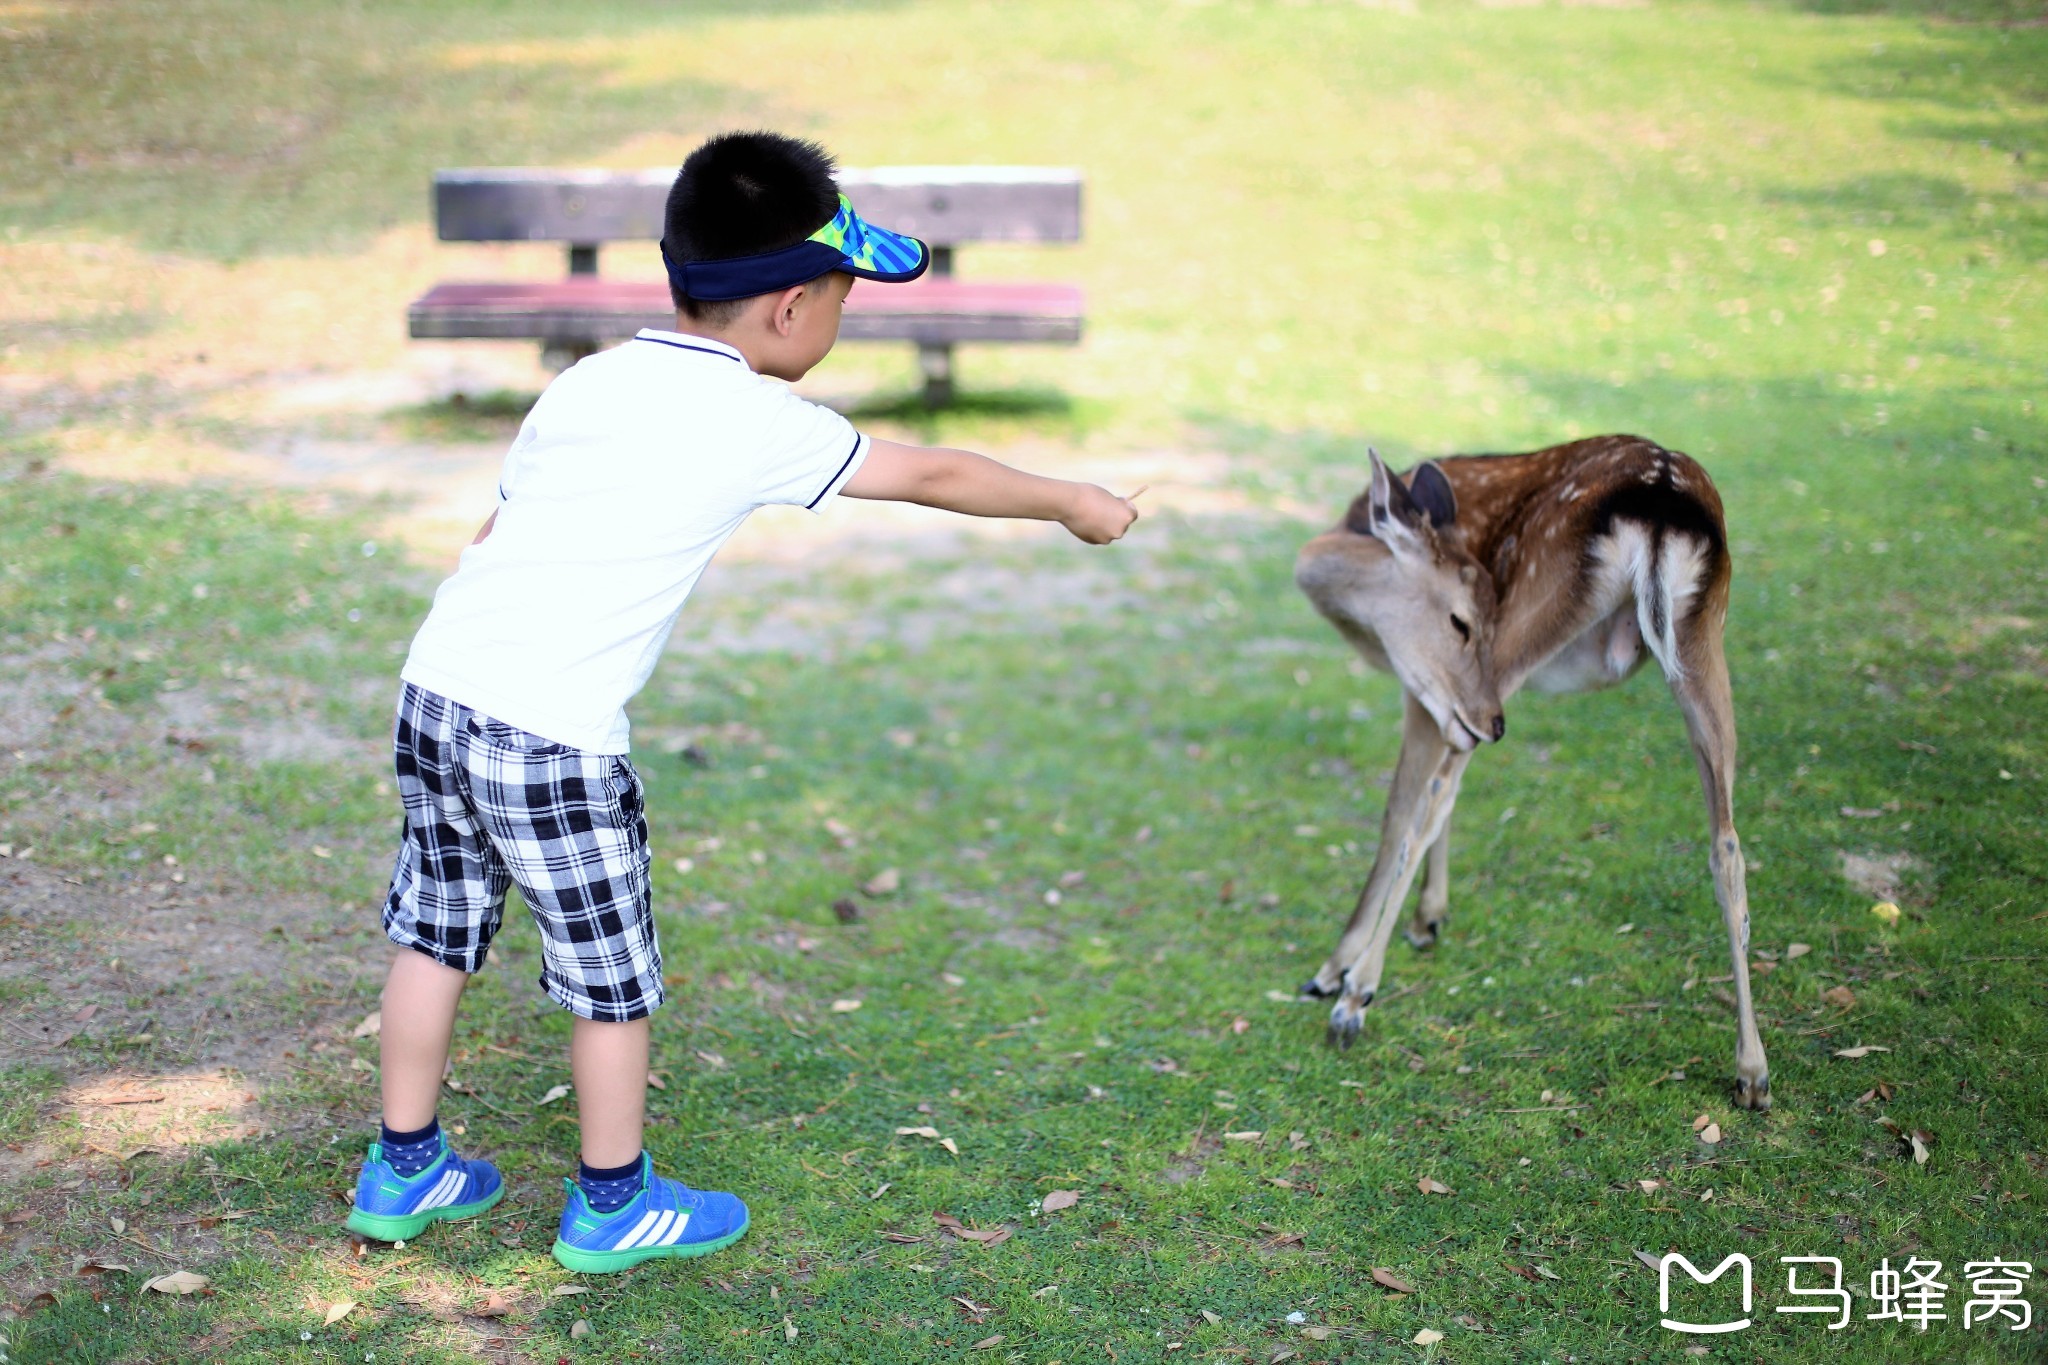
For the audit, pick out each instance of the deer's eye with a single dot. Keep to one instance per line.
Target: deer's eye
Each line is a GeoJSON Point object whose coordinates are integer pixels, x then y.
{"type": "Point", "coordinates": [1464, 631]}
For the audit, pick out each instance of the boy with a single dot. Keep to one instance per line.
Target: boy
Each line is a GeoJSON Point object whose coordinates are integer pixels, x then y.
{"type": "Point", "coordinates": [632, 469]}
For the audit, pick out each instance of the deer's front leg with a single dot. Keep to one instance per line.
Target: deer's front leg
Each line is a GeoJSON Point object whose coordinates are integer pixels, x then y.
{"type": "Point", "coordinates": [1418, 803]}
{"type": "Point", "coordinates": [1435, 903]}
{"type": "Point", "coordinates": [1362, 974]}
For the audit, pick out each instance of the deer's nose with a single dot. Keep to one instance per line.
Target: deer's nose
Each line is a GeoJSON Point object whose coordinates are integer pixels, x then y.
{"type": "Point", "coordinates": [1500, 725]}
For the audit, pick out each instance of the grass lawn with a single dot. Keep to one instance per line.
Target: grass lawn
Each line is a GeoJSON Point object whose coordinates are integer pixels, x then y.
{"type": "Point", "coordinates": [1128, 795]}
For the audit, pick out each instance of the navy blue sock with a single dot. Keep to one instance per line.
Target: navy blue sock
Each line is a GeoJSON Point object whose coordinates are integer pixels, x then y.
{"type": "Point", "coordinates": [411, 1153]}
{"type": "Point", "coordinates": [608, 1188]}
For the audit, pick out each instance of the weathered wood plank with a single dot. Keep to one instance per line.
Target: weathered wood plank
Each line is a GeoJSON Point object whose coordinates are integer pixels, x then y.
{"type": "Point", "coordinates": [944, 205]}
{"type": "Point", "coordinates": [584, 308]}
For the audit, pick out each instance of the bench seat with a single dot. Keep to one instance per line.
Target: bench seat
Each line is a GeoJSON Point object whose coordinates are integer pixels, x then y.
{"type": "Point", "coordinates": [933, 311]}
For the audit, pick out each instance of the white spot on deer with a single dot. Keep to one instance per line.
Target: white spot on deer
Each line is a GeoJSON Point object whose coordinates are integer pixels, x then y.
{"type": "Point", "coordinates": [1568, 492]}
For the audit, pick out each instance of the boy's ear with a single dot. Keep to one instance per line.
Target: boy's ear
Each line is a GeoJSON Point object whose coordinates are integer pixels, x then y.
{"type": "Point", "coordinates": [783, 320]}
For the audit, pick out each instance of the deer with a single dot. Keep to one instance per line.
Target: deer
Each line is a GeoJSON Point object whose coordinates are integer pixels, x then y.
{"type": "Point", "coordinates": [1563, 570]}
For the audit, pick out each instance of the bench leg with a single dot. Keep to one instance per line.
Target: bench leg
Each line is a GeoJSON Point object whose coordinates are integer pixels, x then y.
{"type": "Point", "coordinates": [936, 361]}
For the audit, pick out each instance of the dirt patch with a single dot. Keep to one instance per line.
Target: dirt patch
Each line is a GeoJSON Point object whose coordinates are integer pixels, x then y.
{"type": "Point", "coordinates": [164, 1016]}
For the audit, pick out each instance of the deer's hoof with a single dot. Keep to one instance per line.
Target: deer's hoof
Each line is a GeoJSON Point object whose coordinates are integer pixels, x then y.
{"type": "Point", "coordinates": [1313, 989]}
{"type": "Point", "coordinates": [1753, 1093]}
{"type": "Point", "coordinates": [1423, 940]}
{"type": "Point", "coordinates": [1347, 1017]}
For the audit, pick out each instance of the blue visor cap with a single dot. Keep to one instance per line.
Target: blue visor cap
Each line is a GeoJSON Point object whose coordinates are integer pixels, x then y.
{"type": "Point", "coordinates": [846, 243]}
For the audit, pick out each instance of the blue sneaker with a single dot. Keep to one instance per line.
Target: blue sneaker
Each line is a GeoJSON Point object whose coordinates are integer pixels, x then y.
{"type": "Point", "coordinates": [391, 1208]}
{"type": "Point", "coordinates": [666, 1218]}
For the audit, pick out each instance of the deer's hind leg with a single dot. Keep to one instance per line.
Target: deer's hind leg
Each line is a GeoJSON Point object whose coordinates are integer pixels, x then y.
{"type": "Point", "coordinates": [1702, 690]}
{"type": "Point", "coordinates": [1434, 906]}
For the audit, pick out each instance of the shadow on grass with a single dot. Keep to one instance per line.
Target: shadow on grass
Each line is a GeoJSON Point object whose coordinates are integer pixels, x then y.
{"type": "Point", "coordinates": [1046, 410]}
{"type": "Point", "coordinates": [493, 416]}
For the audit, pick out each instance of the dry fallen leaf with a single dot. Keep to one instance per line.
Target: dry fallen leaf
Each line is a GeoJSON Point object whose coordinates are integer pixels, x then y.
{"type": "Point", "coordinates": [1650, 1186]}
{"type": "Point", "coordinates": [372, 1022]}
{"type": "Point", "coordinates": [579, 1329]}
{"type": "Point", "coordinates": [561, 1291]}
{"type": "Point", "coordinates": [987, 1342]}
{"type": "Point", "coordinates": [788, 1328]}
{"type": "Point", "coordinates": [1429, 1186]}
{"type": "Point", "coordinates": [555, 1092]}
{"type": "Point", "coordinates": [925, 1131]}
{"type": "Point", "coordinates": [1213, 1319]}
{"type": "Point", "coordinates": [177, 1282]}
{"type": "Point", "coordinates": [883, 883]}
{"type": "Point", "coordinates": [1318, 1333]}
{"type": "Point", "coordinates": [1055, 1200]}
{"type": "Point", "coordinates": [950, 1145]}
{"type": "Point", "coordinates": [845, 1006]}
{"type": "Point", "coordinates": [1886, 911]}
{"type": "Point", "coordinates": [1793, 950]}
{"type": "Point", "coordinates": [1860, 1050]}
{"type": "Point", "coordinates": [655, 1080]}
{"type": "Point", "coordinates": [1711, 1134]}
{"type": "Point", "coordinates": [337, 1311]}
{"type": "Point", "coordinates": [1701, 1122]}
{"type": "Point", "coordinates": [496, 1306]}
{"type": "Point", "coordinates": [1653, 1262]}
{"type": "Point", "coordinates": [1428, 1336]}
{"type": "Point", "coordinates": [1841, 997]}
{"type": "Point", "coordinates": [1389, 1280]}
{"type": "Point", "coordinates": [1240, 1024]}
{"type": "Point", "coordinates": [1547, 1273]}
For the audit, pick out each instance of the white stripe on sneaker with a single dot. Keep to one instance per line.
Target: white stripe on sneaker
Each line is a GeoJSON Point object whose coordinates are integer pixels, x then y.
{"type": "Point", "coordinates": [653, 1237]}
{"type": "Point", "coordinates": [682, 1221]}
{"type": "Point", "coordinates": [632, 1239]}
{"type": "Point", "coordinates": [443, 1192]}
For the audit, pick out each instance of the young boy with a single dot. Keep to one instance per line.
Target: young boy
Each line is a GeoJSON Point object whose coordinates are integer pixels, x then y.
{"type": "Point", "coordinates": [632, 469]}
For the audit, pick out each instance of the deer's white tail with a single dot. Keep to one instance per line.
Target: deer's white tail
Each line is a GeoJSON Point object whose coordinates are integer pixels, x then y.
{"type": "Point", "coordinates": [1665, 569]}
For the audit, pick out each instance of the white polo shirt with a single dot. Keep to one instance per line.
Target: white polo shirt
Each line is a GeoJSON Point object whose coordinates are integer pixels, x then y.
{"type": "Point", "coordinates": [632, 469]}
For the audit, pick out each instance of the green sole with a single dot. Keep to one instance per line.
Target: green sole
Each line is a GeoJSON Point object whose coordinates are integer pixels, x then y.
{"type": "Point", "coordinates": [598, 1262]}
{"type": "Point", "coordinates": [395, 1228]}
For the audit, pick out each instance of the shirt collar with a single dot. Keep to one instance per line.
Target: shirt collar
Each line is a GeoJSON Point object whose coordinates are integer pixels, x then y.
{"type": "Point", "coordinates": [685, 342]}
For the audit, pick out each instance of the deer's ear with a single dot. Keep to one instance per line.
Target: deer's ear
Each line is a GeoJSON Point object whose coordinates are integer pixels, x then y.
{"type": "Point", "coordinates": [1432, 493]}
{"type": "Point", "coordinates": [1392, 514]}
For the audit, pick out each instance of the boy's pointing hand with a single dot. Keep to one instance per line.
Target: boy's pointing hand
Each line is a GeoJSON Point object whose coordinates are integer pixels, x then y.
{"type": "Point", "coordinates": [1099, 516]}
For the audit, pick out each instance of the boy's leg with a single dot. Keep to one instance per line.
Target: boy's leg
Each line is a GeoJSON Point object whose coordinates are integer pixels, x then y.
{"type": "Point", "coordinates": [447, 895]}
{"type": "Point", "coordinates": [608, 1063]}
{"type": "Point", "coordinates": [417, 1023]}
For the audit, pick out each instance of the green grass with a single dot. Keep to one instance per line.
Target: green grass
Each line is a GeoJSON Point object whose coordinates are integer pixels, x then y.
{"type": "Point", "coordinates": [1309, 227]}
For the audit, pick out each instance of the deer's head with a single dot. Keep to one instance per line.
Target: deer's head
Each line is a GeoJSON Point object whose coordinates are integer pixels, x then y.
{"type": "Point", "coordinates": [1398, 582]}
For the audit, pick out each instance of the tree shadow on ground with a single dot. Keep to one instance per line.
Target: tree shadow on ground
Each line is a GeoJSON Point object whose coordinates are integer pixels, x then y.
{"type": "Point", "coordinates": [227, 130]}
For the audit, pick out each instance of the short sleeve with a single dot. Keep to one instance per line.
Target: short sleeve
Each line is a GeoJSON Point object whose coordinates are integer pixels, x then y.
{"type": "Point", "coordinates": [806, 454]}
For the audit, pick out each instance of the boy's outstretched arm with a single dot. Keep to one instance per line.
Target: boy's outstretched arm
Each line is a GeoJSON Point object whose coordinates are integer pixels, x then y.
{"type": "Point", "coordinates": [960, 481]}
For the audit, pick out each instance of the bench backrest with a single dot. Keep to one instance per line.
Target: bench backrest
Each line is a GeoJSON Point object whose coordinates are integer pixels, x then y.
{"type": "Point", "coordinates": [944, 205]}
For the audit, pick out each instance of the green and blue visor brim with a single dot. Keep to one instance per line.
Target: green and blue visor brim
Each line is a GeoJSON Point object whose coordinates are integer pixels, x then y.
{"type": "Point", "coordinates": [847, 243]}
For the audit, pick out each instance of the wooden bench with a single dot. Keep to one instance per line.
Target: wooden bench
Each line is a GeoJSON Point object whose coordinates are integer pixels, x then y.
{"type": "Point", "coordinates": [947, 206]}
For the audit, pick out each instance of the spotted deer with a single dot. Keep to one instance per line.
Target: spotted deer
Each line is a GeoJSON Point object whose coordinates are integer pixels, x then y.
{"type": "Point", "coordinates": [1562, 570]}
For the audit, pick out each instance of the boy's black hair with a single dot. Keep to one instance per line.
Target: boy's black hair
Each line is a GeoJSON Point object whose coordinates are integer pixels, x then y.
{"type": "Point", "coordinates": [741, 194]}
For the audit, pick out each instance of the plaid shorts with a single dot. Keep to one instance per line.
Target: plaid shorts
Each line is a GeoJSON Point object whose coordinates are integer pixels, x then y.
{"type": "Point", "coordinates": [487, 805]}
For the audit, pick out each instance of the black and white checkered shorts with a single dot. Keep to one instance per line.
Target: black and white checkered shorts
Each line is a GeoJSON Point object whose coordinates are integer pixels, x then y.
{"type": "Point", "coordinates": [487, 805]}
